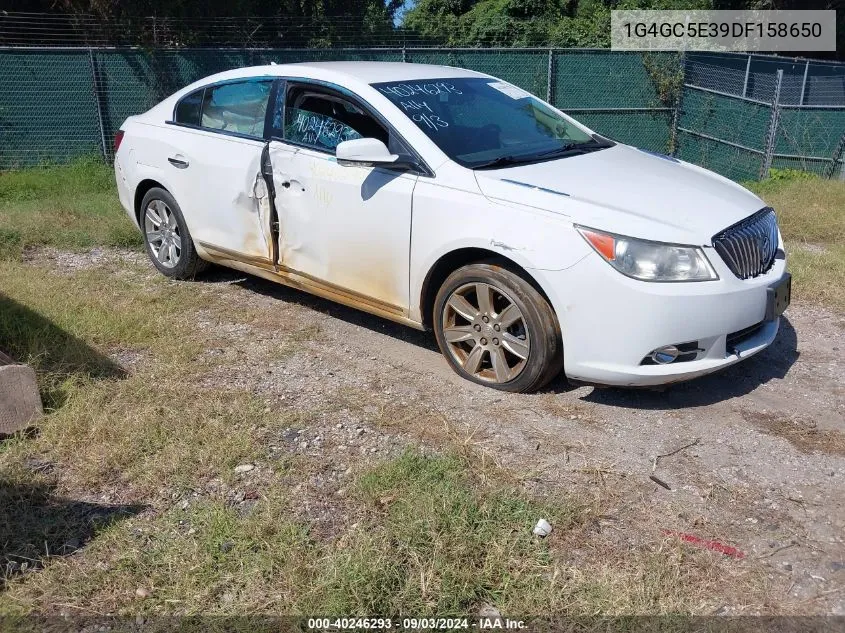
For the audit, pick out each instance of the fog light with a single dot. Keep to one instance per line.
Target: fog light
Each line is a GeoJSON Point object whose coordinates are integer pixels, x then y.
{"type": "Point", "coordinates": [664, 355]}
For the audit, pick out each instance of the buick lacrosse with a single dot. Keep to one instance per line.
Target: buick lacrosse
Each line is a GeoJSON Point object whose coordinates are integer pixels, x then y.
{"type": "Point", "coordinates": [448, 199]}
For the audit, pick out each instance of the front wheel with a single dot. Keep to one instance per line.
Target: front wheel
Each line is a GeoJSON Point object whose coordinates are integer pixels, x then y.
{"type": "Point", "coordinates": [495, 328]}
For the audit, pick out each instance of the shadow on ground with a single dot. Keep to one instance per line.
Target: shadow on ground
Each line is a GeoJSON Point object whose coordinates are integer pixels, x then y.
{"type": "Point", "coordinates": [291, 295]}
{"type": "Point", "coordinates": [30, 338]}
{"type": "Point", "coordinates": [737, 380]}
{"type": "Point", "coordinates": [37, 525]}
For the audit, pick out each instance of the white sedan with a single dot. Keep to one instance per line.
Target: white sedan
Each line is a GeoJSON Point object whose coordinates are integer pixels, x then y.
{"type": "Point", "coordinates": [448, 199]}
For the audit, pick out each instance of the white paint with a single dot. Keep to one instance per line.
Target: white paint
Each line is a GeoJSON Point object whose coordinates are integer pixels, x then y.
{"type": "Point", "coordinates": [349, 226]}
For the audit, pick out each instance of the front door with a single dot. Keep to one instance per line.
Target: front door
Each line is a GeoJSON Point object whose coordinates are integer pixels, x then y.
{"type": "Point", "coordinates": [347, 228]}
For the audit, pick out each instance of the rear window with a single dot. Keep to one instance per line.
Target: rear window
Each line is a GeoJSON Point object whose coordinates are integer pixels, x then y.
{"type": "Point", "coordinates": [188, 109]}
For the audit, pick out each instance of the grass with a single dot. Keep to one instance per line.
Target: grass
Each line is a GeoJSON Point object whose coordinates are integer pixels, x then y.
{"type": "Point", "coordinates": [126, 501]}
{"type": "Point", "coordinates": [811, 214]}
{"type": "Point", "coordinates": [430, 542]}
{"type": "Point", "coordinates": [73, 206]}
{"type": "Point", "coordinates": [139, 486]}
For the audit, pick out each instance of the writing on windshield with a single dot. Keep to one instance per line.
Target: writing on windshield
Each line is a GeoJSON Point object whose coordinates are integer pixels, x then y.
{"type": "Point", "coordinates": [478, 120]}
{"type": "Point", "coordinates": [413, 99]}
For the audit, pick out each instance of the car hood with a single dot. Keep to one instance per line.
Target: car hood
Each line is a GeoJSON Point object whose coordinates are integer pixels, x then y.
{"type": "Point", "coordinates": [629, 191]}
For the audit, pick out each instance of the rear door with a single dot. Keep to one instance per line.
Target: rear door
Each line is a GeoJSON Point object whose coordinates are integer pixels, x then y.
{"type": "Point", "coordinates": [347, 228]}
{"type": "Point", "coordinates": [220, 158]}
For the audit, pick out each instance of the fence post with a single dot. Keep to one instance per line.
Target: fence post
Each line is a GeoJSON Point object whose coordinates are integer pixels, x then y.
{"type": "Point", "coordinates": [550, 70]}
{"type": "Point", "coordinates": [95, 86]}
{"type": "Point", "coordinates": [804, 82]}
{"type": "Point", "coordinates": [676, 115]}
{"type": "Point", "coordinates": [838, 154]}
{"type": "Point", "coordinates": [772, 132]}
{"type": "Point", "coordinates": [404, 53]}
{"type": "Point", "coordinates": [747, 73]}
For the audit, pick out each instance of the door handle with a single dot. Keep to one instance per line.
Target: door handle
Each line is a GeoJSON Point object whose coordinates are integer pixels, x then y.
{"type": "Point", "coordinates": [286, 184]}
{"type": "Point", "coordinates": [178, 162]}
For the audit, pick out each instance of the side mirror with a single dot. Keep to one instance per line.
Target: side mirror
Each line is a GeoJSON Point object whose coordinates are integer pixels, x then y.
{"type": "Point", "coordinates": [364, 150]}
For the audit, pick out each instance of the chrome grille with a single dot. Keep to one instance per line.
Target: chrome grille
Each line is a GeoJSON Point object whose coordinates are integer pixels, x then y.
{"type": "Point", "coordinates": [749, 247]}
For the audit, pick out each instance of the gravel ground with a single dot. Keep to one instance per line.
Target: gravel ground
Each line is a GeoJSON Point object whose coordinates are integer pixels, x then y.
{"type": "Point", "coordinates": [761, 464]}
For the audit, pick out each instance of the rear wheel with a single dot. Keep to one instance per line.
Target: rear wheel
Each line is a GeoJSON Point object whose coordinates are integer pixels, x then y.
{"type": "Point", "coordinates": [495, 328]}
{"type": "Point", "coordinates": [169, 244]}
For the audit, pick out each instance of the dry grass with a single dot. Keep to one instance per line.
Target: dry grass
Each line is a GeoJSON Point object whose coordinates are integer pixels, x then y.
{"type": "Point", "coordinates": [811, 213]}
{"type": "Point", "coordinates": [139, 482]}
{"type": "Point", "coordinates": [129, 482]}
{"type": "Point", "coordinates": [819, 273]}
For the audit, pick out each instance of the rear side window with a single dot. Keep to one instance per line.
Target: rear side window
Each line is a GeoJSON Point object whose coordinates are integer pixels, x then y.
{"type": "Point", "coordinates": [236, 107]}
{"type": "Point", "coordinates": [188, 109]}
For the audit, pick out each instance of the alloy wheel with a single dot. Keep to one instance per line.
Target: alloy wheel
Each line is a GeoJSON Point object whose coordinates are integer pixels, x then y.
{"type": "Point", "coordinates": [162, 231]}
{"type": "Point", "coordinates": [485, 332]}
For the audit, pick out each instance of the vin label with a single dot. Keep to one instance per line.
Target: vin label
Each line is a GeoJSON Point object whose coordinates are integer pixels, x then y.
{"type": "Point", "coordinates": [736, 31]}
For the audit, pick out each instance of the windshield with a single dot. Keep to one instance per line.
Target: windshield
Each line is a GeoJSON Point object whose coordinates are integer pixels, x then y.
{"type": "Point", "coordinates": [485, 123]}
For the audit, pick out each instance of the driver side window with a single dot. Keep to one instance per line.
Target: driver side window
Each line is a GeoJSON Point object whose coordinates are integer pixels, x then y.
{"type": "Point", "coordinates": [322, 120]}
{"type": "Point", "coordinates": [315, 129]}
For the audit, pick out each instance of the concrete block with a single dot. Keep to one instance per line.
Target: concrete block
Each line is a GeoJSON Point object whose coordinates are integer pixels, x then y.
{"type": "Point", "coordinates": [20, 402]}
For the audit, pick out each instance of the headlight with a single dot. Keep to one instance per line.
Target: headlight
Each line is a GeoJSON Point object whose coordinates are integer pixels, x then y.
{"type": "Point", "coordinates": [650, 261]}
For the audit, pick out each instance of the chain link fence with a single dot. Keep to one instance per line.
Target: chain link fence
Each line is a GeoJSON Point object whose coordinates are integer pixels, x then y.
{"type": "Point", "coordinates": [738, 115]}
{"type": "Point", "coordinates": [56, 104]}
{"type": "Point", "coordinates": [741, 115]}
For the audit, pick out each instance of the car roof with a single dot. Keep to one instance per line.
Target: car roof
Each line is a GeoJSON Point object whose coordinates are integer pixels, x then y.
{"type": "Point", "coordinates": [374, 72]}
{"type": "Point", "coordinates": [344, 73]}
{"type": "Point", "coordinates": [367, 72]}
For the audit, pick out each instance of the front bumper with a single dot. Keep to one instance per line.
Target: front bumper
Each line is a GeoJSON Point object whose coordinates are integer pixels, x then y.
{"type": "Point", "coordinates": [610, 323]}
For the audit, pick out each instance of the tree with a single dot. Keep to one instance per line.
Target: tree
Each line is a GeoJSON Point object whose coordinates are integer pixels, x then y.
{"type": "Point", "coordinates": [568, 23]}
{"type": "Point", "coordinates": [224, 22]}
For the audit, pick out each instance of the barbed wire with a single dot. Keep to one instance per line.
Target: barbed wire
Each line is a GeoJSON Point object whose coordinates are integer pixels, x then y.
{"type": "Point", "coordinates": [19, 29]}
{"type": "Point", "coordinates": [68, 82]}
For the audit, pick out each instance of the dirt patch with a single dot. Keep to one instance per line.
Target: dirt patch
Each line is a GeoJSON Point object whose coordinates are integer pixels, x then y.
{"type": "Point", "coordinates": [802, 433]}
{"type": "Point", "coordinates": [357, 389]}
{"type": "Point", "coordinates": [817, 249]}
{"type": "Point", "coordinates": [72, 261]}
{"type": "Point", "coordinates": [129, 359]}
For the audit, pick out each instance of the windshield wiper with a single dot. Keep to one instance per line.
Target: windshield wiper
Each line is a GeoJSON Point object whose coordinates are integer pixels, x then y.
{"type": "Point", "coordinates": [505, 161]}
{"type": "Point", "coordinates": [570, 148]}
{"type": "Point", "coordinates": [566, 149]}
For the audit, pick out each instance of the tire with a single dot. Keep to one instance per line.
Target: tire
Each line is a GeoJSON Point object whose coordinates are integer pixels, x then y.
{"type": "Point", "coordinates": [173, 254]}
{"type": "Point", "coordinates": [487, 346]}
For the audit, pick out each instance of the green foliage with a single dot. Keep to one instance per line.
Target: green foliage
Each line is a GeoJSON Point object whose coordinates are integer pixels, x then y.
{"type": "Point", "coordinates": [508, 22]}
{"type": "Point", "coordinates": [588, 26]}
{"type": "Point", "coordinates": [665, 71]}
{"type": "Point", "coordinates": [786, 175]}
{"type": "Point", "coordinates": [572, 23]}
{"type": "Point", "coordinates": [11, 243]}
{"type": "Point", "coordinates": [780, 179]}
{"type": "Point", "coordinates": [87, 174]}
{"type": "Point", "coordinates": [153, 23]}
{"type": "Point", "coordinates": [71, 206]}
